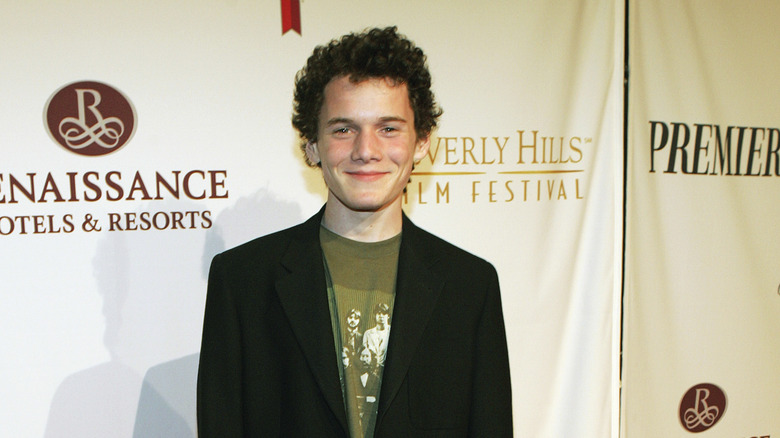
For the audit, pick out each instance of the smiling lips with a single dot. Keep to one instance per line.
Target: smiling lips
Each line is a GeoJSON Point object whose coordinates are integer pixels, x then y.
{"type": "Point", "coordinates": [366, 176]}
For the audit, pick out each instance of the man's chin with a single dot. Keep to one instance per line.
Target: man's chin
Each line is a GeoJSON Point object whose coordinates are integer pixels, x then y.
{"type": "Point", "coordinates": [369, 203]}
{"type": "Point", "coordinates": [372, 205]}
{"type": "Point", "coordinates": [366, 207]}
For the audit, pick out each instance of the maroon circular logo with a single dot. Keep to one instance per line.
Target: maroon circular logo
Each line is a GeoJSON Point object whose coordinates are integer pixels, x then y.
{"type": "Point", "coordinates": [701, 407]}
{"type": "Point", "coordinates": [89, 118]}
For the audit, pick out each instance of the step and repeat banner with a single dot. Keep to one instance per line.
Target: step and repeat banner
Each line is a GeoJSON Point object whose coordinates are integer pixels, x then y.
{"type": "Point", "coordinates": [702, 303]}
{"type": "Point", "coordinates": [139, 139]}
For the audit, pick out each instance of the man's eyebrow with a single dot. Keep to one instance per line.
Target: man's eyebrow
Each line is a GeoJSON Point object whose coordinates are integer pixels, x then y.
{"type": "Point", "coordinates": [337, 120]}
{"type": "Point", "coordinates": [392, 119]}
{"type": "Point", "coordinates": [385, 119]}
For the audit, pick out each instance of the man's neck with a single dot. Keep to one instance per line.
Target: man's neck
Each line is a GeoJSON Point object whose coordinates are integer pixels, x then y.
{"type": "Point", "coordinates": [363, 226]}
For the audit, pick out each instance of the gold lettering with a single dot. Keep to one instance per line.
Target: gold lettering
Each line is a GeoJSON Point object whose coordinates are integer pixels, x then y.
{"type": "Point", "coordinates": [484, 152]}
{"type": "Point", "coordinates": [509, 189]}
{"type": "Point", "coordinates": [469, 150]}
{"type": "Point", "coordinates": [432, 156]}
{"type": "Point", "coordinates": [500, 150]}
{"type": "Point", "coordinates": [550, 186]}
{"type": "Point", "coordinates": [561, 192]}
{"type": "Point", "coordinates": [443, 192]}
{"type": "Point", "coordinates": [577, 151]}
{"type": "Point", "coordinates": [523, 146]}
{"type": "Point", "coordinates": [448, 151]}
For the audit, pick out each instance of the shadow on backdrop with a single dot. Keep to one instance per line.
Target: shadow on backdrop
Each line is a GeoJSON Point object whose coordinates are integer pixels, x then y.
{"type": "Point", "coordinates": [153, 285]}
{"type": "Point", "coordinates": [98, 401]}
{"type": "Point", "coordinates": [166, 407]}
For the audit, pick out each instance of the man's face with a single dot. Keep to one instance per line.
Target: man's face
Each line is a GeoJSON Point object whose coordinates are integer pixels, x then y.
{"type": "Point", "coordinates": [367, 143]}
{"type": "Point", "coordinates": [365, 357]}
{"type": "Point", "coordinates": [382, 318]}
{"type": "Point", "coordinates": [353, 320]}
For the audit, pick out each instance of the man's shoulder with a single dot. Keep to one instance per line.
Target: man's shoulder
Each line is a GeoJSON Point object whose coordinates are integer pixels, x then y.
{"type": "Point", "coordinates": [467, 279]}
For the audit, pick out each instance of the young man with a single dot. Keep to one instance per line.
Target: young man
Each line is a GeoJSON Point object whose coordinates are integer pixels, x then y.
{"type": "Point", "coordinates": [271, 360]}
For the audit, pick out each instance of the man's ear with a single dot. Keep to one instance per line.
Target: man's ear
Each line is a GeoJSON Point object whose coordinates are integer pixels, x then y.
{"type": "Point", "coordinates": [421, 148]}
{"type": "Point", "coordinates": [312, 152]}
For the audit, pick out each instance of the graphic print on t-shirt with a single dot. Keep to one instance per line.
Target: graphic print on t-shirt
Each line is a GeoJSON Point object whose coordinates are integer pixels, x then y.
{"type": "Point", "coordinates": [361, 290]}
{"type": "Point", "coordinates": [363, 357]}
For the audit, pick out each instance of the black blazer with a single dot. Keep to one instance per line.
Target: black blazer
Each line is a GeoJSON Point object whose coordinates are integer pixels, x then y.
{"type": "Point", "coordinates": [268, 362]}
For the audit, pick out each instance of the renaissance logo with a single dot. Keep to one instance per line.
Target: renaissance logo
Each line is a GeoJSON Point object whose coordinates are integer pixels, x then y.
{"type": "Point", "coordinates": [89, 118]}
{"type": "Point", "coordinates": [92, 119]}
{"type": "Point", "coordinates": [701, 407]}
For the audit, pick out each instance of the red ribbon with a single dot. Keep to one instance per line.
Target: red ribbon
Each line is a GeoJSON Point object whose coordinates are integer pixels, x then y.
{"type": "Point", "coordinates": [291, 16]}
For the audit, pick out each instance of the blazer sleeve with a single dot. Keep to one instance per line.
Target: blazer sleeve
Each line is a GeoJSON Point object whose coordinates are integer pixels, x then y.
{"type": "Point", "coordinates": [219, 401]}
{"type": "Point", "coordinates": [491, 407]}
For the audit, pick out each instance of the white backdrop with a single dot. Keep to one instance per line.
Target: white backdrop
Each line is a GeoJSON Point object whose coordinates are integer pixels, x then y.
{"type": "Point", "coordinates": [701, 301]}
{"type": "Point", "coordinates": [102, 328]}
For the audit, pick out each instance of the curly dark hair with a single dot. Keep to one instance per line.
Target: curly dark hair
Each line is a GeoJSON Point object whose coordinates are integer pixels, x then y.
{"type": "Point", "coordinates": [374, 53]}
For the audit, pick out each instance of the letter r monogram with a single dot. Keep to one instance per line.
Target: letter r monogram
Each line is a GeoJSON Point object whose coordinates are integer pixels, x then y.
{"type": "Point", "coordinates": [78, 135]}
{"type": "Point", "coordinates": [702, 394]}
{"type": "Point", "coordinates": [93, 108]}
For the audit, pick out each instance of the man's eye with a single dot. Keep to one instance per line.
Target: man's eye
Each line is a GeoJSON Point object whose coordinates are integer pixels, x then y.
{"type": "Point", "coordinates": [341, 131]}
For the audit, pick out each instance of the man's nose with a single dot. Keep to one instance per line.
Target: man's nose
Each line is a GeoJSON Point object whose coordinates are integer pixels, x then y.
{"type": "Point", "coordinates": [366, 147]}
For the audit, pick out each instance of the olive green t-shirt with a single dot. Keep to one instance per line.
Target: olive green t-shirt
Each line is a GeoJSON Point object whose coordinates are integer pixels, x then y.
{"type": "Point", "coordinates": [361, 288]}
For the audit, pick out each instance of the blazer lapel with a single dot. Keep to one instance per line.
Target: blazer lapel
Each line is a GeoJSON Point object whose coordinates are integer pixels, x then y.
{"type": "Point", "coordinates": [417, 290]}
{"type": "Point", "coordinates": [303, 295]}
